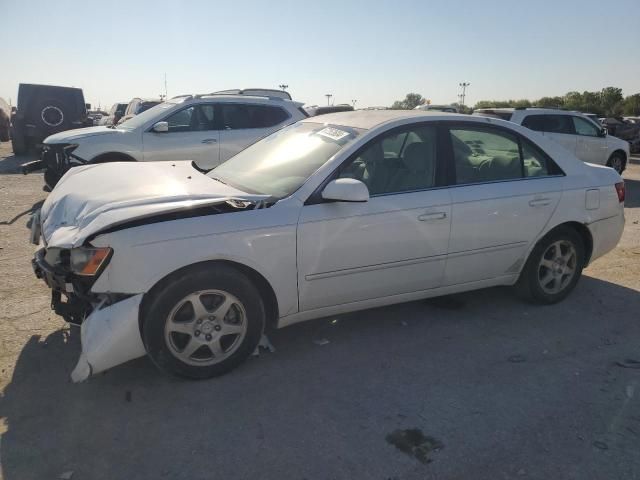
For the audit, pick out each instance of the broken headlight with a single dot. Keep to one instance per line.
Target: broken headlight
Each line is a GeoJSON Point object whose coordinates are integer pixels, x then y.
{"type": "Point", "coordinates": [89, 261]}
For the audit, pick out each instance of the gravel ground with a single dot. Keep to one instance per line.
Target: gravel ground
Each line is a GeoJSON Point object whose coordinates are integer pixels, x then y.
{"type": "Point", "coordinates": [477, 385]}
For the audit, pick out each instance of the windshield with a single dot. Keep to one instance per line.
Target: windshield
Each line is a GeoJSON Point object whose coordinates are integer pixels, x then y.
{"type": "Point", "coordinates": [279, 164]}
{"type": "Point", "coordinates": [147, 115]}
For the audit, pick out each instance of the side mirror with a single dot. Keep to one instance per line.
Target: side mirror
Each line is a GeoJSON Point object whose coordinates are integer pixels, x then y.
{"type": "Point", "coordinates": [346, 190]}
{"type": "Point", "coordinates": [603, 132]}
{"type": "Point", "coordinates": [161, 127]}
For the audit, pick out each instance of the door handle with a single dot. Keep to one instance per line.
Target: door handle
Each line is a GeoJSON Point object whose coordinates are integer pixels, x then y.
{"type": "Point", "coordinates": [539, 202]}
{"type": "Point", "coordinates": [209, 140]}
{"type": "Point", "coordinates": [429, 217]}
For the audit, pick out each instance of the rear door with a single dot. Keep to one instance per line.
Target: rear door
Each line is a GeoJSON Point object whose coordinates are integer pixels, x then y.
{"type": "Point", "coordinates": [504, 190]}
{"type": "Point", "coordinates": [192, 135]}
{"type": "Point", "coordinates": [559, 127]}
{"type": "Point", "coordinates": [591, 147]}
{"type": "Point", "coordinates": [244, 123]}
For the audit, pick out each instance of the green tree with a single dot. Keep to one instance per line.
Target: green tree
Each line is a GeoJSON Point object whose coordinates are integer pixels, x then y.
{"type": "Point", "coordinates": [631, 105]}
{"type": "Point", "coordinates": [611, 101]}
{"type": "Point", "coordinates": [411, 101]}
{"type": "Point", "coordinates": [550, 102]}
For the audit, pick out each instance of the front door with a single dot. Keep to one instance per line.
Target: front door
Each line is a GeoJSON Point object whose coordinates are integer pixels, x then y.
{"type": "Point", "coordinates": [394, 243]}
{"type": "Point", "coordinates": [192, 135]}
{"type": "Point", "coordinates": [505, 190]}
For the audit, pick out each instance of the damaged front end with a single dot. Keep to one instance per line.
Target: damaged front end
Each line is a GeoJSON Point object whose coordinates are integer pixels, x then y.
{"type": "Point", "coordinates": [56, 159]}
{"type": "Point", "coordinates": [70, 273]}
{"type": "Point", "coordinates": [70, 262]}
{"type": "Point", "coordinates": [108, 321]}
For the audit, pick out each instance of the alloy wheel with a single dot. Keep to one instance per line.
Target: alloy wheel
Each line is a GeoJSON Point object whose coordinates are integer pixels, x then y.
{"type": "Point", "coordinates": [205, 327]}
{"type": "Point", "coordinates": [557, 267]}
{"type": "Point", "coordinates": [616, 163]}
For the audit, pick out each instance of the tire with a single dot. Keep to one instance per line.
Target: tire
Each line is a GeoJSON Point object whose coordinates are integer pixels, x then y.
{"type": "Point", "coordinates": [181, 335]}
{"type": "Point", "coordinates": [546, 279]}
{"type": "Point", "coordinates": [5, 136]}
{"type": "Point", "coordinates": [18, 144]}
{"type": "Point", "coordinates": [617, 162]}
{"type": "Point", "coordinates": [51, 178]}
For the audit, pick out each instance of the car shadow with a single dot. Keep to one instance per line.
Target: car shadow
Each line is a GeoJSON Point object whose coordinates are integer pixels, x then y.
{"type": "Point", "coordinates": [13, 163]}
{"type": "Point", "coordinates": [632, 193]}
{"type": "Point", "coordinates": [330, 381]}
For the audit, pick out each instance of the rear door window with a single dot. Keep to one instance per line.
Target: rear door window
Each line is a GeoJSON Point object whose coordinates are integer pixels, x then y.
{"type": "Point", "coordinates": [559, 124]}
{"type": "Point", "coordinates": [484, 155]}
{"type": "Point", "coordinates": [237, 116]}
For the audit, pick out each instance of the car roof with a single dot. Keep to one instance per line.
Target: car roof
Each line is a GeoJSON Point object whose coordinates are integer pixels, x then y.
{"type": "Point", "coordinates": [368, 119]}
{"type": "Point", "coordinates": [188, 99]}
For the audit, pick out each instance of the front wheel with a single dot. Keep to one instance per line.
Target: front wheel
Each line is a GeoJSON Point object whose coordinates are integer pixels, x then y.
{"type": "Point", "coordinates": [553, 268]}
{"type": "Point", "coordinates": [616, 161]}
{"type": "Point", "coordinates": [203, 323]}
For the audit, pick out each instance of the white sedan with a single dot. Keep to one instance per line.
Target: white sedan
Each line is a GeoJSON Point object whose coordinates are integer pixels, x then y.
{"type": "Point", "coordinates": [329, 215]}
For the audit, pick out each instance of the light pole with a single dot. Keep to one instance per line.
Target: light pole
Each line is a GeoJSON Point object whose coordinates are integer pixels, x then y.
{"type": "Point", "coordinates": [464, 86]}
{"type": "Point", "coordinates": [283, 87]}
{"type": "Point", "coordinates": [328, 95]}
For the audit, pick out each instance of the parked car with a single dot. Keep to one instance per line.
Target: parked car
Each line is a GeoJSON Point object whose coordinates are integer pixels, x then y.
{"type": "Point", "coordinates": [437, 108]}
{"type": "Point", "coordinates": [326, 216]}
{"type": "Point", "coordinates": [43, 110]}
{"type": "Point", "coordinates": [315, 110]}
{"type": "Point", "coordinates": [580, 135]}
{"type": "Point", "coordinates": [96, 116]}
{"type": "Point", "coordinates": [622, 128]}
{"type": "Point", "coordinates": [136, 107]}
{"type": "Point", "coordinates": [5, 121]}
{"type": "Point", "coordinates": [115, 114]}
{"type": "Point", "coordinates": [207, 129]}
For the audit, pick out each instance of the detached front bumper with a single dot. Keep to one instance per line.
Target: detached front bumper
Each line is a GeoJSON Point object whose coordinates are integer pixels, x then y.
{"type": "Point", "coordinates": [110, 336]}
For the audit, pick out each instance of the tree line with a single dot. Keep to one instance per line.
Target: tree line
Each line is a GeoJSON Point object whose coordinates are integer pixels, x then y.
{"type": "Point", "coordinates": [608, 102]}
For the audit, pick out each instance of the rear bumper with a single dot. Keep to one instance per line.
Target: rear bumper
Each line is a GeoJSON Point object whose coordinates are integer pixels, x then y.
{"type": "Point", "coordinates": [606, 234]}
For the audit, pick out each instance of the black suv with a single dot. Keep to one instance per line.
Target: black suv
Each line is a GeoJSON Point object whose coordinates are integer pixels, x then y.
{"type": "Point", "coordinates": [44, 110]}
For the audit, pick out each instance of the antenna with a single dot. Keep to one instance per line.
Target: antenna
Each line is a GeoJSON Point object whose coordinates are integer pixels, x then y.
{"type": "Point", "coordinates": [464, 86]}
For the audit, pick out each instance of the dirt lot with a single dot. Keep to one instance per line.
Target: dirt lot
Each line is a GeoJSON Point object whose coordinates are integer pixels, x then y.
{"type": "Point", "coordinates": [497, 388]}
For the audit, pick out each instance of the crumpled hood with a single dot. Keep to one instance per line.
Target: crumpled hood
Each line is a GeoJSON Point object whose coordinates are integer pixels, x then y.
{"type": "Point", "coordinates": [90, 198]}
{"type": "Point", "coordinates": [71, 136]}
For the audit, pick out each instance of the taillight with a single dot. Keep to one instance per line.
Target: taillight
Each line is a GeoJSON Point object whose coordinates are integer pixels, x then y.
{"type": "Point", "coordinates": [620, 191]}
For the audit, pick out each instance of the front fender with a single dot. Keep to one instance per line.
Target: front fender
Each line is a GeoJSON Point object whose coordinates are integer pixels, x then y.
{"type": "Point", "coordinates": [144, 255]}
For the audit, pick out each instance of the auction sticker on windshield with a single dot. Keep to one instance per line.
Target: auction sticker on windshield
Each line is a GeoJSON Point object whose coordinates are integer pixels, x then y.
{"type": "Point", "coordinates": [333, 133]}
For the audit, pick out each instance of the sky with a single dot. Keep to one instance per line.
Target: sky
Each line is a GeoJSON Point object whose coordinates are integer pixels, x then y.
{"type": "Point", "coordinates": [374, 52]}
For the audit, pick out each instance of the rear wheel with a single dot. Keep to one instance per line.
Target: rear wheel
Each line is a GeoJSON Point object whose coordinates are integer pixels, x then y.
{"type": "Point", "coordinates": [617, 162]}
{"type": "Point", "coordinates": [553, 268]}
{"type": "Point", "coordinates": [18, 143]}
{"type": "Point", "coordinates": [203, 323]}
